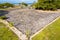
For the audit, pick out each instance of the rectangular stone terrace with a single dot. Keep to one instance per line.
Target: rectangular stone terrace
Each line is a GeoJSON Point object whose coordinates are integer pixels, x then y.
{"type": "Point", "coordinates": [30, 20]}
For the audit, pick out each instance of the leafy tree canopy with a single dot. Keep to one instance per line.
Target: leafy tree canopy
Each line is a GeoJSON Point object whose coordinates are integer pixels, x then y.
{"type": "Point", "coordinates": [6, 5]}
{"type": "Point", "coordinates": [47, 4]}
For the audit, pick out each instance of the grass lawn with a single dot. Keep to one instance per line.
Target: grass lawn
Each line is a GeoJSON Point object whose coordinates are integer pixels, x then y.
{"type": "Point", "coordinates": [6, 34]}
{"type": "Point", "coordinates": [52, 32]}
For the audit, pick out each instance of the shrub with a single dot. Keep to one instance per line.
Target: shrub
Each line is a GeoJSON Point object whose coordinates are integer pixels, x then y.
{"type": "Point", "coordinates": [6, 5]}
{"type": "Point", "coordinates": [3, 17]}
{"type": "Point", "coordinates": [47, 4]}
{"type": "Point", "coordinates": [1, 6]}
{"type": "Point", "coordinates": [11, 24]}
{"type": "Point", "coordinates": [24, 4]}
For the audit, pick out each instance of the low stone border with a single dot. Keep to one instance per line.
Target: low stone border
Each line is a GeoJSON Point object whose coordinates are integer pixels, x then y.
{"type": "Point", "coordinates": [46, 11]}
{"type": "Point", "coordinates": [43, 28]}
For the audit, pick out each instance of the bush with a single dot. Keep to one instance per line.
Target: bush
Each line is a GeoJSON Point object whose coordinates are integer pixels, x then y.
{"type": "Point", "coordinates": [1, 6]}
{"type": "Point", "coordinates": [47, 4]}
{"type": "Point", "coordinates": [6, 5]}
{"type": "Point", "coordinates": [24, 4]}
{"type": "Point", "coordinates": [3, 17]}
{"type": "Point", "coordinates": [11, 24]}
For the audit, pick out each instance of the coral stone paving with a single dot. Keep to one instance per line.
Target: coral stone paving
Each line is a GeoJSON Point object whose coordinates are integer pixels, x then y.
{"type": "Point", "coordinates": [30, 20]}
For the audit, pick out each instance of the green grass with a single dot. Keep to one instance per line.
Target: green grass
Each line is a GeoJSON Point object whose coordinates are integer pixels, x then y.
{"type": "Point", "coordinates": [3, 8]}
{"type": "Point", "coordinates": [6, 33]}
{"type": "Point", "coordinates": [11, 24]}
{"type": "Point", "coordinates": [51, 32]}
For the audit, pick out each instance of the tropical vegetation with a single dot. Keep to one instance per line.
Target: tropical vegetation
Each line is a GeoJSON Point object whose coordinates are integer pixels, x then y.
{"type": "Point", "coordinates": [47, 4]}
{"type": "Point", "coordinates": [6, 5]}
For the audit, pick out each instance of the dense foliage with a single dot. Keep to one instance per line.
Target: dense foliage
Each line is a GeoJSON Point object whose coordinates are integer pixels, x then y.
{"type": "Point", "coordinates": [3, 17]}
{"type": "Point", "coordinates": [25, 4]}
{"type": "Point", "coordinates": [47, 4]}
{"type": "Point", "coordinates": [6, 5]}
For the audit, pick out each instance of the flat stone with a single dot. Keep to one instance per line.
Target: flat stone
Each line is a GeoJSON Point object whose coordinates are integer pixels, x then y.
{"type": "Point", "coordinates": [30, 19]}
